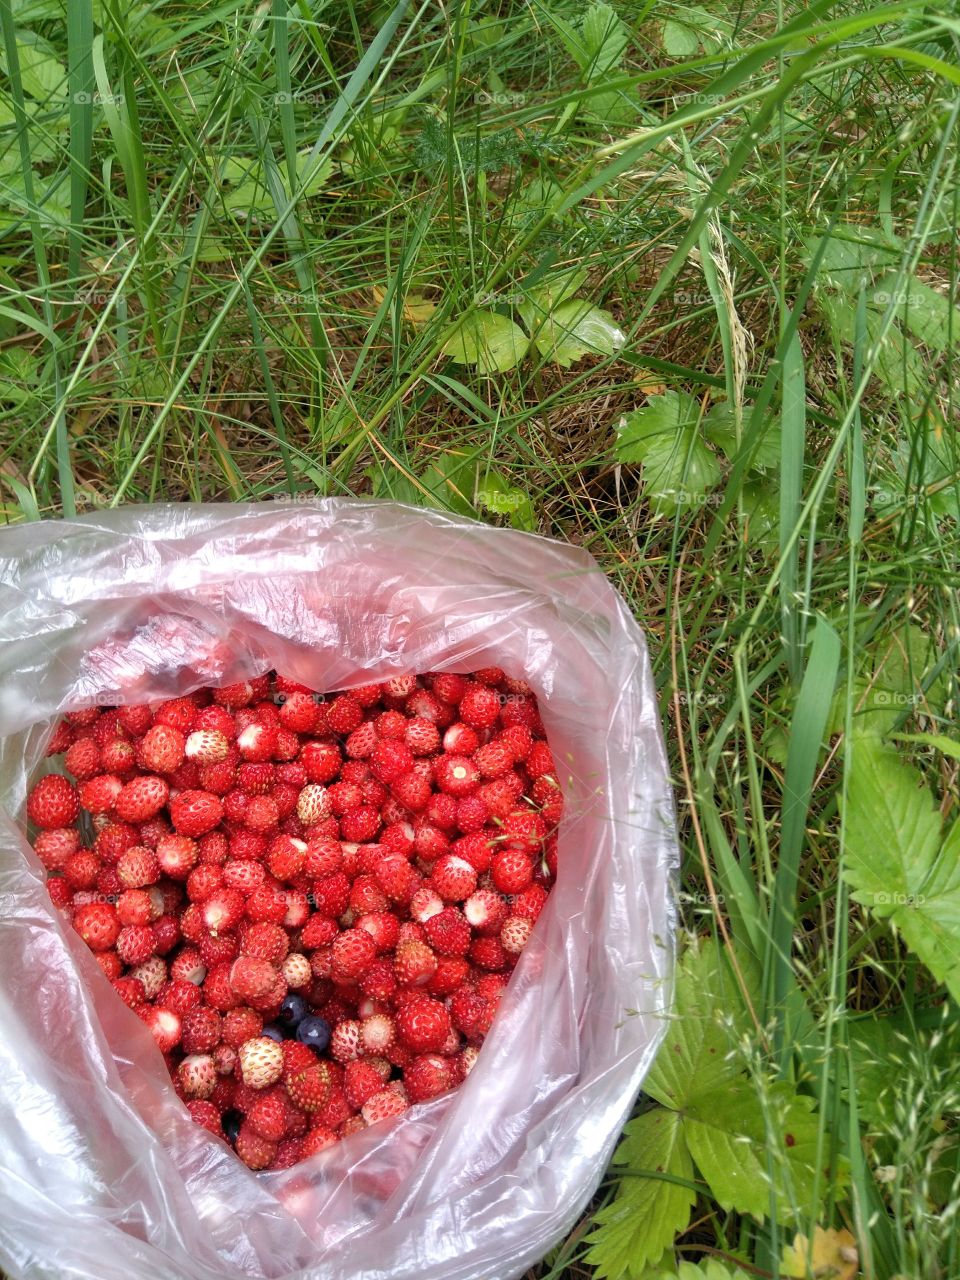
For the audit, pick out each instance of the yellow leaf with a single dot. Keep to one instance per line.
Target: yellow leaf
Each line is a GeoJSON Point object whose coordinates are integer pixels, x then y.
{"type": "Point", "coordinates": [833, 1257]}
{"type": "Point", "coordinates": [416, 309]}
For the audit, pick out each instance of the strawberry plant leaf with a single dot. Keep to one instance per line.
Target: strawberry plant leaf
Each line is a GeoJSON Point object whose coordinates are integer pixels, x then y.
{"type": "Point", "coordinates": [572, 330]}
{"type": "Point", "coordinates": [679, 39]}
{"type": "Point", "coordinates": [761, 510]}
{"type": "Point", "coordinates": [853, 256]}
{"type": "Point", "coordinates": [926, 314]}
{"type": "Point", "coordinates": [496, 495]}
{"type": "Point", "coordinates": [542, 298]}
{"type": "Point", "coordinates": [710, 1269]}
{"type": "Point", "coordinates": [743, 1150]}
{"type": "Point", "coordinates": [896, 362]}
{"type": "Point", "coordinates": [488, 340]}
{"type": "Point", "coordinates": [679, 468]}
{"type": "Point", "coordinates": [43, 75]}
{"type": "Point", "coordinates": [648, 1212]}
{"type": "Point", "coordinates": [895, 862]}
{"type": "Point", "coordinates": [720, 428]}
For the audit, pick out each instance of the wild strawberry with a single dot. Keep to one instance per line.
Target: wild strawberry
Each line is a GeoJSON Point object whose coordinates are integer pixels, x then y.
{"type": "Point", "coordinates": [494, 759]}
{"type": "Point", "coordinates": [177, 855]}
{"type": "Point", "coordinates": [115, 839]}
{"type": "Point", "coordinates": [61, 893]}
{"type": "Point", "coordinates": [207, 746]}
{"type": "Point", "coordinates": [83, 759]}
{"type": "Point", "coordinates": [252, 977]}
{"type": "Point", "coordinates": [382, 927]}
{"type": "Point", "coordinates": [298, 909]}
{"type": "Point", "coordinates": [488, 953]}
{"type": "Point", "coordinates": [269, 1115]}
{"type": "Point", "coordinates": [163, 1025]}
{"type": "Point", "coordinates": [397, 878]}
{"type": "Point", "coordinates": [188, 966]}
{"type": "Point", "coordinates": [197, 1075]}
{"type": "Point", "coordinates": [422, 705]}
{"type": "Point", "coordinates": [178, 713]}
{"type": "Point", "coordinates": [203, 881]}
{"type": "Point", "coordinates": [414, 963]}
{"type": "Point", "coordinates": [98, 925]}
{"type": "Point", "coordinates": [511, 871]}
{"type": "Point", "coordinates": [529, 902]}
{"type": "Point", "coordinates": [214, 848]}
{"type": "Point", "coordinates": [384, 1105]}
{"type": "Point", "coordinates": [379, 981]}
{"type": "Point", "coordinates": [265, 941]}
{"type": "Point", "coordinates": [261, 813]}
{"type": "Point", "coordinates": [255, 1152]}
{"type": "Point", "coordinates": [479, 707]}
{"type": "Point", "coordinates": [130, 990]}
{"type": "Point", "coordinates": [55, 845]}
{"type": "Point", "coordinates": [152, 973]}
{"type": "Point", "coordinates": [152, 831]}
{"type": "Point", "coordinates": [60, 740]}
{"type": "Point", "coordinates": [448, 686]}
{"type": "Point", "coordinates": [308, 1086]}
{"type": "Point", "coordinates": [110, 964]}
{"type": "Point", "coordinates": [448, 932]}
{"type": "Point", "coordinates": [53, 802]}
{"type": "Point", "coordinates": [453, 878]}
{"type": "Point", "coordinates": [296, 971]}
{"type": "Point", "coordinates": [456, 775]}
{"type": "Point", "coordinates": [81, 869]}
{"type": "Point", "coordinates": [500, 796]}
{"type": "Point", "coordinates": [331, 894]}
{"type": "Point", "coordinates": [268, 902]}
{"type": "Point", "coordinates": [134, 906]}
{"type": "Point", "coordinates": [118, 756]}
{"type": "Point", "coordinates": [222, 910]}
{"type": "Point", "coordinates": [201, 1030]}
{"type": "Point", "coordinates": [261, 1062]}
{"type": "Point", "coordinates": [353, 951]}
{"type": "Point", "coordinates": [360, 1082]}
{"type": "Point", "coordinates": [138, 867]}
{"type": "Point", "coordinates": [451, 973]}
{"type": "Point", "coordinates": [286, 856]}
{"type": "Point", "coordinates": [313, 804]}
{"type": "Point", "coordinates": [142, 798]}
{"type": "Point", "coordinates": [83, 718]}
{"type": "Point", "coordinates": [257, 742]}
{"type": "Point", "coordinates": [217, 948]}
{"type": "Point", "coordinates": [377, 1034]}
{"type": "Point", "coordinates": [243, 874]}
{"type": "Point", "coordinates": [321, 760]}
{"type": "Point", "coordinates": [360, 825]}
{"type": "Point", "coordinates": [108, 883]}
{"type": "Point", "coordinates": [428, 1076]}
{"type": "Point", "coordinates": [522, 829]}
{"type": "Point", "coordinates": [241, 1024]}
{"type": "Point", "coordinates": [423, 1024]}
{"type": "Point", "coordinates": [161, 749]}
{"type": "Point", "coordinates": [240, 694]}
{"type": "Point", "coordinates": [194, 813]}
{"type": "Point", "coordinates": [460, 739]}
{"type": "Point", "coordinates": [219, 778]}
{"type": "Point", "coordinates": [412, 791]}
{"type": "Point", "coordinates": [486, 911]}
{"type": "Point", "coordinates": [475, 848]}
{"type": "Point", "coordinates": [472, 813]}
{"type": "Point", "coordinates": [344, 714]}
{"type": "Point", "coordinates": [390, 759]}
{"type": "Point", "coordinates": [136, 943]}
{"type": "Point", "coordinates": [345, 1041]}
{"type": "Point", "coordinates": [299, 712]}
{"type": "Point", "coordinates": [206, 1115]}
{"type": "Point", "coordinates": [515, 934]}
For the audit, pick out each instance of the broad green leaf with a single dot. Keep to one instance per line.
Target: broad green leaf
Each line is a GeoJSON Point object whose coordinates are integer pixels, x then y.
{"type": "Point", "coordinates": [248, 186]}
{"type": "Point", "coordinates": [450, 480]}
{"type": "Point", "coordinates": [895, 360]}
{"type": "Point", "coordinates": [710, 1269]}
{"type": "Point", "coordinates": [490, 341]}
{"type": "Point", "coordinates": [637, 1226]}
{"type": "Point", "coordinates": [496, 495]}
{"type": "Point", "coordinates": [853, 256]}
{"type": "Point", "coordinates": [603, 38]}
{"type": "Point", "coordinates": [720, 428]}
{"type": "Point", "coordinates": [542, 298]}
{"type": "Point", "coordinates": [572, 330]}
{"type": "Point", "coordinates": [43, 74]}
{"type": "Point", "coordinates": [946, 746]}
{"type": "Point", "coordinates": [927, 314]}
{"type": "Point", "coordinates": [679, 40]}
{"type": "Point", "coordinates": [894, 859]}
{"type": "Point", "coordinates": [679, 468]}
{"type": "Point", "coordinates": [709, 1014]}
{"type": "Point", "coordinates": [732, 1136]}
{"type": "Point", "coordinates": [388, 482]}
{"type": "Point", "coordinates": [761, 509]}
{"type": "Point", "coordinates": [894, 686]}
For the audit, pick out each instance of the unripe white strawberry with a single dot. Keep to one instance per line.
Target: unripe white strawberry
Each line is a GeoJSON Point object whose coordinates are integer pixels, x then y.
{"type": "Point", "coordinates": [345, 1041]}
{"type": "Point", "coordinates": [207, 746]}
{"type": "Point", "coordinates": [515, 934]}
{"type": "Point", "coordinates": [313, 804]}
{"type": "Point", "coordinates": [296, 970]}
{"type": "Point", "coordinates": [261, 1062]}
{"type": "Point", "coordinates": [152, 973]}
{"type": "Point", "coordinates": [377, 1033]}
{"type": "Point", "coordinates": [198, 1075]}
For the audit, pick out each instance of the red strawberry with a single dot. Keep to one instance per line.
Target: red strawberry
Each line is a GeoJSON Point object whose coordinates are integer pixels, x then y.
{"type": "Point", "coordinates": [134, 906]}
{"type": "Point", "coordinates": [448, 932]}
{"type": "Point", "coordinates": [142, 798]}
{"type": "Point", "coordinates": [265, 941]}
{"type": "Point", "coordinates": [255, 1152]}
{"type": "Point", "coordinates": [269, 1115]}
{"type": "Point", "coordinates": [234, 695]}
{"type": "Point", "coordinates": [390, 759]}
{"type": "Point", "coordinates": [97, 925]}
{"type": "Point", "coordinates": [268, 902]}
{"type": "Point", "coordinates": [511, 871]}
{"type": "Point", "coordinates": [241, 1024]}
{"type": "Point", "coordinates": [360, 824]}
{"type": "Point", "coordinates": [460, 740]}
{"type": "Point", "coordinates": [223, 910]}
{"type": "Point", "coordinates": [321, 760]}
{"type": "Point", "coordinates": [456, 775]}
{"type": "Point", "coordinates": [130, 991]}
{"type": "Point", "coordinates": [383, 1106]}
{"type": "Point", "coordinates": [55, 845]}
{"type": "Point", "coordinates": [494, 759]}
{"type": "Point", "coordinates": [414, 963]}
{"type": "Point", "coordinates": [83, 759]}
{"type": "Point", "coordinates": [61, 739]}
{"type": "Point", "coordinates": [178, 713]}
{"type": "Point", "coordinates": [427, 1076]}
{"type": "Point", "coordinates": [529, 902]}
{"type": "Point", "coordinates": [486, 911]}
{"type": "Point", "coordinates": [422, 705]}
{"type": "Point", "coordinates": [453, 878]}
{"type": "Point", "coordinates": [161, 749]}
{"type": "Point", "coordinates": [252, 977]}
{"type": "Point", "coordinates": [449, 687]}
{"type": "Point", "coordinates": [423, 1024]}
{"type": "Point", "coordinates": [115, 839]}
{"type": "Point", "coordinates": [308, 1086]}
{"type": "Point", "coordinates": [206, 1115]}
{"type": "Point", "coordinates": [201, 1030]}
{"type": "Point", "coordinates": [299, 712]}
{"type": "Point", "coordinates": [207, 746]}
{"type": "Point", "coordinates": [360, 1082]}
{"type": "Point", "coordinates": [261, 813]}
{"type": "Point", "coordinates": [353, 951]}
{"type": "Point", "coordinates": [53, 802]}
{"type": "Point", "coordinates": [344, 714]}
{"type": "Point", "coordinates": [163, 1024]}
{"type": "Point", "coordinates": [261, 1062]}
{"type": "Point", "coordinates": [479, 707]}
{"type": "Point", "coordinates": [286, 857]}
{"type": "Point", "coordinates": [472, 813]}
{"type": "Point", "coordinates": [197, 1075]}
{"type": "Point", "coordinates": [177, 855]}
{"type": "Point", "coordinates": [136, 943]}
{"type": "Point", "coordinates": [194, 813]}
{"type": "Point", "coordinates": [488, 953]}
{"type": "Point", "coordinates": [188, 966]}
{"type": "Point", "coordinates": [412, 791]}
{"type": "Point", "coordinates": [81, 869]}
{"type": "Point", "coordinates": [257, 742]}
{"type": "Point", "coordinates": [452, 972]}
{"type": "Point", "coordinates": [522, 829]}
{"type": "Point", "coordinates": [152, 973]}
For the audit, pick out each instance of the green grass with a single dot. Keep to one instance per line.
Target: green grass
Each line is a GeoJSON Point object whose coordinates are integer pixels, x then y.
{"type": "Point", "coordinates": [234, 242]}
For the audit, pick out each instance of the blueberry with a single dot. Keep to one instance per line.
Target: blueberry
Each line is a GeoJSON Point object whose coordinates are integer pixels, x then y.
{"type": "Point", "coordinates": [231, 1122]}
{"type": "Point", "coordinates": [273, 1031]}
{"type": "Point", "coordinates": [314, 1032]}
{"type": "Point", "coordinates": [292, 1011]}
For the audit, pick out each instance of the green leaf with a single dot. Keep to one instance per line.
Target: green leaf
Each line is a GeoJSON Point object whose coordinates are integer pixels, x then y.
{"type": "Point", "coordinates": [573, 330]}
{"type": "Point", "coordinates": [895, 360]}
{"type": "Point", "coordinates": [761, 509]}
{"type": "Point", "coordinates": [743, 1148]}
{"type": "Point", "coordinates": [603, 38]}
{"type": "Point", "coordinates": [647, 1213]}
{"type": "Point", "coordinates": [488, 340]}
{"type": "Point", "coordinates": [709, 1015]}
{"type": "Point", "coordinates": [542, 298]}
{"type": "Point", "coordinates": [496, 495]}
{"type": "Point", "coordinates": [43, 74]}
{"type": "Point", "coordinates": [853, 257]}
{"type": "Point", "coordinates": [894, 686]}
{"type": "Point", "coordinates": [710, 1269]}
{"type": "Point", "coordinates": [946, 746]}
{"type": "Point", "coordinates": [678, 467]}
{"type": "Point", "coordinates": [927, 314]}
{"type": "Point", "coordinates": [894, 860]}
{"type": "Point", "coordinates": [720, 428]}
{"type": "Point", "coordinates": [679, 40]}
{"type": "Point", "coordinates": [450, 480]}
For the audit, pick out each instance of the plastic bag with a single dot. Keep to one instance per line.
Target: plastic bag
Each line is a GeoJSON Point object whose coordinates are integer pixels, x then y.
{"type": "Point", "coordinates": [104, 1173]}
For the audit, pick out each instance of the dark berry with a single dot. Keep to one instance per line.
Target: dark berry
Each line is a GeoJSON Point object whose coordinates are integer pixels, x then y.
{"type": "Point", "coordinates": [314, 1032]}
{"type": "Point", "coordinates": [232, 1120]}
{"type": "Point", "coordinates": [292, 1011]}
{"type": "Point", "coordinates": [274, 1032]}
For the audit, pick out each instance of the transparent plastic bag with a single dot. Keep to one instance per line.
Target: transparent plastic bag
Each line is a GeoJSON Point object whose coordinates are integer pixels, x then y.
{"type": "Point", "coordinates": [104, 1173]}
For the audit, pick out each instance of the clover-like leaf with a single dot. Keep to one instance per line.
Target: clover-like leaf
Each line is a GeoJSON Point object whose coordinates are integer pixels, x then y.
{"type": "Point", "coordinates": [679, 468]}
{"type": "Point", "coordinates": [492, 342]}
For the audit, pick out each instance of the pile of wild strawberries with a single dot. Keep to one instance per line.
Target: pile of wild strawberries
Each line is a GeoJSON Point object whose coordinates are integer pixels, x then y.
{"type": "Point", "coordinates": [313, 902]}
